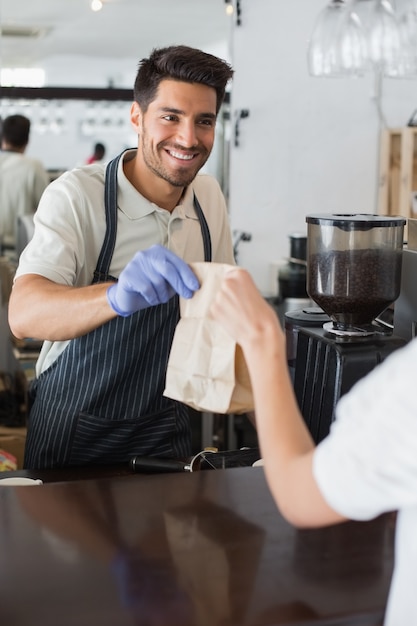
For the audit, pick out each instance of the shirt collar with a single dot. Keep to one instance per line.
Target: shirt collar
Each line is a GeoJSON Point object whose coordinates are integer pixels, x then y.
{"type": "Point", "coordinates": [135, 206]}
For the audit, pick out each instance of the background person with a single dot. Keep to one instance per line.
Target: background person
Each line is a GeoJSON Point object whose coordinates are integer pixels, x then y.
{"type": "Point", "coordinates": [98, 153]}
{"type": "Point", "coordinates": [22, 178]}
{"type": "Point", "coordinates": [366, 466]}
{"type": "Point", "coordinates": [100, 278]}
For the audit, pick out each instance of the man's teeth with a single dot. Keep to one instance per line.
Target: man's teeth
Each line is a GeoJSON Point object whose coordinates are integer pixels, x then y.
{"type": "Point", "coordinates": [179, 155]}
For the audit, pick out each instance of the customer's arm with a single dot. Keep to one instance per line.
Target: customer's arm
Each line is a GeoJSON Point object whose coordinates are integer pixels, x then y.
{"type": "Point", "coordinates": [286, 445]}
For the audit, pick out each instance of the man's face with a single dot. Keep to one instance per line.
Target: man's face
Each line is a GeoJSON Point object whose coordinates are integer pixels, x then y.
{"type": "Point", "coordinates": [177, 131]}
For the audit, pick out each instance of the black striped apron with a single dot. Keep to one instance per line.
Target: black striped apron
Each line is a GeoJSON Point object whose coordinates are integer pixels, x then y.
{"type": "Point", "coordinates": [101, 401]}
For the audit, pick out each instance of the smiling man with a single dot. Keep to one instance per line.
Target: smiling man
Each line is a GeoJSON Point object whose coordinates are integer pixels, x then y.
{"type": "Point", "coordinates": [99, 281]}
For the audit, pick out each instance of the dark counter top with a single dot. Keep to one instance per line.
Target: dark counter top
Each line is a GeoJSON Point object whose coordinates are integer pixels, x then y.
{"type": "Point", "coordinates": [65, 474]}
{"type": "Point", "coordinates": [107, 547]}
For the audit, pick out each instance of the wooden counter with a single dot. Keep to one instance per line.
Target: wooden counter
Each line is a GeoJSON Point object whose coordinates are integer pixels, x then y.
{"type": "Point", "coordinates": [202, 549]}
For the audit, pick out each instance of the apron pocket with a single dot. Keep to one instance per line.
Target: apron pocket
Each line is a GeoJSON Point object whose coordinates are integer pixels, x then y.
{"type": "Point", "coordinates": [104, 441]}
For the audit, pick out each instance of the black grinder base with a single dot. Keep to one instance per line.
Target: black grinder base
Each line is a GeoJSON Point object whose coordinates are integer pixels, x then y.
{"type": "Point", "coordinates": [327, 367]}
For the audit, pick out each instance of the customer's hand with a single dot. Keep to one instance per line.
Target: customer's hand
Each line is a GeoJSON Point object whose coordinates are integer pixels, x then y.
{"type": "Point", "coordinates": [242, 311]}
{"type": "Point", "coordinates": [152, 277]}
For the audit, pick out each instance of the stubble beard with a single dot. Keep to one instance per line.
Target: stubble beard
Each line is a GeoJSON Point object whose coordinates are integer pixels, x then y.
{"type": "Point", "coordinates": [182, 177]}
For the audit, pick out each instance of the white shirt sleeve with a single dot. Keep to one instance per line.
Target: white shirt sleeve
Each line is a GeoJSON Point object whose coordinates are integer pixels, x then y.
{"type": "Point", "coordinates": [368, 463]}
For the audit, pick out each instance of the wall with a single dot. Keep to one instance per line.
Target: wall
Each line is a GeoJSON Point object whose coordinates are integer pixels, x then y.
{"type": "Point", "coordinates": [309, 144]}
{"type": "Point", "coordinates": [63, 132]}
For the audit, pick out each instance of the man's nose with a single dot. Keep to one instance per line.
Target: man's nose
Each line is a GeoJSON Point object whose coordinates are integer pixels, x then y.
{"type": "Point", "coordinates": [187, 135]}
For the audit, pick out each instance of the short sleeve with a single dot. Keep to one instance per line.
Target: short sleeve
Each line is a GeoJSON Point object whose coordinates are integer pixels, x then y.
{"type": "Point", "coordinates": [368, 463]}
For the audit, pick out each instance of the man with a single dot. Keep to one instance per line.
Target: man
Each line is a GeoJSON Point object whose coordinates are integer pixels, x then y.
{"type": "Point", "coordinates": [368, 463]}
{"type": "Point", "coordinates": [22, 179]}
{"type": "Point", "coordinates": [98, 396]}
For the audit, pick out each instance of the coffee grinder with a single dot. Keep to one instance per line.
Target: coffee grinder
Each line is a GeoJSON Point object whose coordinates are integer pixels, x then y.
{"type": "Point", "coordinates": [353, 276]}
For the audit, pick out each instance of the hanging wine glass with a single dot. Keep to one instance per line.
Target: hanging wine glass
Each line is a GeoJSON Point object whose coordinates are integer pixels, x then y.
{"type": "Point", "coordinates": [338, 44]}
{"type": "Point", "coordinates": [385, 41]}
{"type": "Point", "coordinates": [353, 46]}
{"type": "Point", "coordinates": [408, 32]}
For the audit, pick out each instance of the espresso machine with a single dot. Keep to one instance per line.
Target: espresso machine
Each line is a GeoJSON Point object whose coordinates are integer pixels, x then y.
{"type": "Point", "coordinates": [354, 265]}
{"type": "Point", "coordinates": [292, 289]}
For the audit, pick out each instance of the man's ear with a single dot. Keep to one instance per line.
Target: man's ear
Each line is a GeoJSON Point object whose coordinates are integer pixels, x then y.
{"type": "Point", "coordinates": [136, 117]}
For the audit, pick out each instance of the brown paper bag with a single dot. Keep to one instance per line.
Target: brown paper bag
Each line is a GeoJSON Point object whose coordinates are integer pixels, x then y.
{"type": "Point", "coordinates": [206, 368]}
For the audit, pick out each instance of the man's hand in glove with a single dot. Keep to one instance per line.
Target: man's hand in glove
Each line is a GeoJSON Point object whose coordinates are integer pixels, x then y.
{"type": "Point", "coordinates": [152, 277]}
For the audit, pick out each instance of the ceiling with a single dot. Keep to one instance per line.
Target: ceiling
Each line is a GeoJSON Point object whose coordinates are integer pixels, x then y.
{"type": "Point", "coordinates": [122, 29]}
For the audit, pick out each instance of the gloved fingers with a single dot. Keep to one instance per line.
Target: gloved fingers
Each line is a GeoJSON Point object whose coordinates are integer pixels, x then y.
{"type": "Point", "coordinates": [155, 288]}
{"type": "Point", "coordinates": [176, 272]}
{"type": "Point", "coordinates": [152, 277]}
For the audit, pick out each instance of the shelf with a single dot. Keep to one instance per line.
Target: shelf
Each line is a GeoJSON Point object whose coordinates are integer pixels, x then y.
{"type": "Point", "coordinates": [398, 172]}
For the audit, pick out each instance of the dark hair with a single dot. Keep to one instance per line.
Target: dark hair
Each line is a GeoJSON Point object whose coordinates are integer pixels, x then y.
{"type": "Point", "coordinates": [99, 149]}
{"type": "Point", "coordinates": [181, 63]}
{"type": "Point", "coordinates": [15, 130]}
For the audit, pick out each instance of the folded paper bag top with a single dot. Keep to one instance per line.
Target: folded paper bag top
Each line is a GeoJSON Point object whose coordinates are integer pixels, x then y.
{"type": "Point", "coordinates": [206, 368]}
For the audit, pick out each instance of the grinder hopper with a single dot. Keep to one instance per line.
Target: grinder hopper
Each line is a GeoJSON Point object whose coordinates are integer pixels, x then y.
{"type": "Point", "coordinates": [354, 267]}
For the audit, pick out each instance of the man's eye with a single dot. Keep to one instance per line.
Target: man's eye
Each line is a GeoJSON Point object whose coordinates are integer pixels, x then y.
{"type": "Point", "coordinates": [170, 118]}
{"type": "Point", "coordinates": [207, 122]}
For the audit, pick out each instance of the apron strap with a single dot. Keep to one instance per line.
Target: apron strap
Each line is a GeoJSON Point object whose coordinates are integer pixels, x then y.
{"type": "Point", "coordinates": [204, 230]}
{"type": "Point", "coordinates": [101, 273]}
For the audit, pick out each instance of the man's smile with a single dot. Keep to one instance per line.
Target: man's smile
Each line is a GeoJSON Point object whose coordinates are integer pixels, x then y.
{"type": "Point", "coordinates": [181, 155]}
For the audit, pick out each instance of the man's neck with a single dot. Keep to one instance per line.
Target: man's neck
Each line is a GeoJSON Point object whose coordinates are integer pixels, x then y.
{"type": "Point", "coordinates": [7, 147]}
{"type": "Point", "coordinates": [154, 189]}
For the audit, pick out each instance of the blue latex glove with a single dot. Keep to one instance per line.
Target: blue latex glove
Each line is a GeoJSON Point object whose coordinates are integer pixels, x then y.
{"type": "Point", "coordinates": [152, 277]}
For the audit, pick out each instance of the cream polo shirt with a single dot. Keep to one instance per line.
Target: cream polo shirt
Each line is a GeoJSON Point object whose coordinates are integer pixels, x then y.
{"type": "Point", "coordinates": [22, 182]}
{"type": "Point", "coordinates": [368, 465]}
{"type": "Point", "coordinates": [70, 225]}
